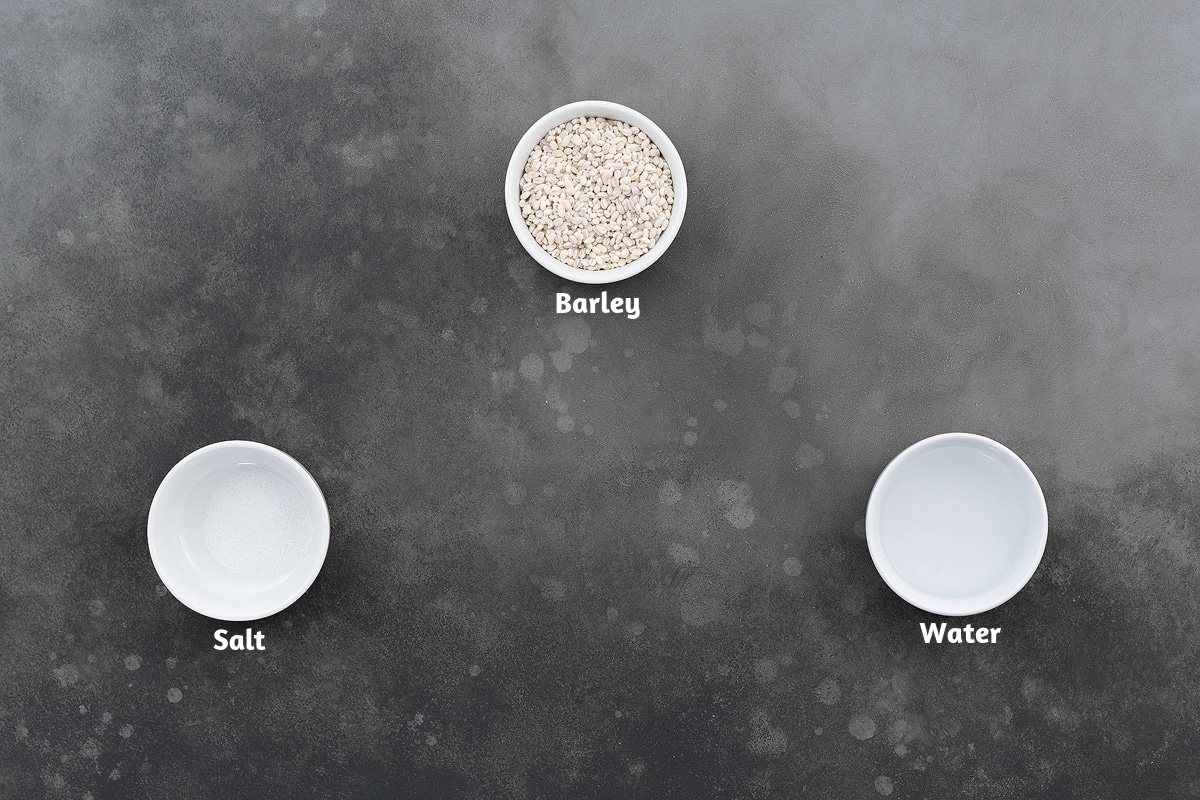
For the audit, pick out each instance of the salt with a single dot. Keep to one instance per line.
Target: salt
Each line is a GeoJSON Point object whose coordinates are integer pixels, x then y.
{"type": "Point", "coordinates": [256, 524]}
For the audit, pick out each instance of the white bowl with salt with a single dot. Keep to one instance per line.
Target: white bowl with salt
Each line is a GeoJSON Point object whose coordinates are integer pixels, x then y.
{"type": "Point", "coordinates": [238, 530]}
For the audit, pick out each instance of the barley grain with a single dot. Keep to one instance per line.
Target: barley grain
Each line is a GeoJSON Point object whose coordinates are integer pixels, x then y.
{"type": "Point", "coordinates": [596, 193]}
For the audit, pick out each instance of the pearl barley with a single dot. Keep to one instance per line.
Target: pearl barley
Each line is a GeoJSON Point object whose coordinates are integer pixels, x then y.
{"type": "Point", "coordinates": [596, 193]}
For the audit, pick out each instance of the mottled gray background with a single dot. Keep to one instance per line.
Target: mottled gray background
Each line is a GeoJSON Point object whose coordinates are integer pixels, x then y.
{"type": "Point", "coordinates": [593, 557]}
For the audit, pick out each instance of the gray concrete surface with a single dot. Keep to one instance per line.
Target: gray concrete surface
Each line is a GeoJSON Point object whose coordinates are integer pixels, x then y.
{"type": "Point", "coordinates": [635, 568]}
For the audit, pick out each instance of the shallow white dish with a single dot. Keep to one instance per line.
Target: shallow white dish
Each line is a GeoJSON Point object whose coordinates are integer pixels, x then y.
{"type": "Point", "coordinates": [187, 565]}
{"type": "Point", "coordinates": [956, 524]}
{"type": "Point", "coordinates": [516, 168]}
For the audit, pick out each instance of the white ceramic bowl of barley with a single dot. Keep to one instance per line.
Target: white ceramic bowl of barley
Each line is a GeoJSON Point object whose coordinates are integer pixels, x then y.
{"type": "Point", "coordinates": [516, 168]}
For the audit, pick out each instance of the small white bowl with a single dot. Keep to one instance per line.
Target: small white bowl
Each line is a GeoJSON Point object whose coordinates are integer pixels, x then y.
{"type": "Point", "coordinates": [956, 524]}
{"type": "Point", "coordinates": [516, 168]}
{"type": "Point", "coordinates": [186, 565]}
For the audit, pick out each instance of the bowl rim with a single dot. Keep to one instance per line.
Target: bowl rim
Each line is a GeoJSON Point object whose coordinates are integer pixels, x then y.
{"type": "Point", "coordinates": [981, 601]}
{"type": "Point", "coordinates": [314, 560]}
{"type": "Point", "coordinates": [516, 168]}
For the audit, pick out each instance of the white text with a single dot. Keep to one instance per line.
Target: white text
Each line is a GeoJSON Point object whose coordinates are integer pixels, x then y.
{"type": "Point", "coordinates": [933, 632]}
{"type": "Point", "coordinates": [628, 306]}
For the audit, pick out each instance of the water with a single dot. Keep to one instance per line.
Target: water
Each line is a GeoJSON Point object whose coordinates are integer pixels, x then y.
{"type": "Point", "coordinates": [955, 521]}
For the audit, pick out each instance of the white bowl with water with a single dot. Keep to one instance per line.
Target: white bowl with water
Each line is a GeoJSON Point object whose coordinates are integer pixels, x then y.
{"type": "Point", "coordinates": [238, 530]}
{"type": "Point", "coordinates": [956, 524]}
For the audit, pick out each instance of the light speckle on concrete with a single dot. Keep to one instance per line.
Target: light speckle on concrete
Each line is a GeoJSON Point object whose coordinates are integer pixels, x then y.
{"type": "Point", "coordinates": [862, 727]}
